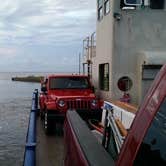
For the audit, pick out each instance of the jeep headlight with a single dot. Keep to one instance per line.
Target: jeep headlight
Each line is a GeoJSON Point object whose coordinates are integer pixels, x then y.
{"type": "Point", "coordinates": [61, 103]}
{"type": "Point", "coordinates": [94, 103]}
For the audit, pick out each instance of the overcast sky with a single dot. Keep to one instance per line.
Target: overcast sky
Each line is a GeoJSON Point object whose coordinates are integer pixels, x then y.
{"type": "Point", "coordinates": [44, 35]}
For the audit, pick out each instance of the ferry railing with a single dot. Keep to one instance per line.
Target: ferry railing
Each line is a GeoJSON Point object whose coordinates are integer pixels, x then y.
{"type": "Point", "coordinates": [110, 125]}
{"type": "Point", "coordinates": [30, 147]}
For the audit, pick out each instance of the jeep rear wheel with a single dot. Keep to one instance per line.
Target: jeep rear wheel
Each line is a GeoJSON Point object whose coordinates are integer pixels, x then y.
{"type": "Point", "coordinates": [41, 114]}
{"type": "Point", "coordinates": [47, 125]}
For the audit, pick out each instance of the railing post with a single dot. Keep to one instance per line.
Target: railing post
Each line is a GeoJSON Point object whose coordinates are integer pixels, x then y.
{"type": "Point", "coordinates": [36, 98]}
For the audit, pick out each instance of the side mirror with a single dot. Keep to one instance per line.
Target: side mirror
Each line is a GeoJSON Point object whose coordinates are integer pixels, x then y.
{"type": "Point", "coordinates": [43, 89]}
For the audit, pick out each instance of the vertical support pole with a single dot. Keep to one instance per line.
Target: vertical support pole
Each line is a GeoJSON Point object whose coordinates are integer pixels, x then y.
{"type": "Point", "coordinates": [83, 65]}
{"type": "Point", "coordinates": [36, 99]}
{"type": "Point", "coordinates": [79, 63]}
{"type": "Point", "coordinates": [88, 65]}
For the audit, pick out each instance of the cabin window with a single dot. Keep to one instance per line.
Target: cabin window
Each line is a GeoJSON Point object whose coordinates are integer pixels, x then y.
{"type": "Point", "coordinates": [104, 76]}
{"type": "Point", "coordinates": [100, 9]}
{"type": "Point", "coordinates": [157, 4]}
{"type": "Point", "coordinates": [149, 72]}
{"type": "Point", "coordinates": [106, 6]}
{"type": "Point", "coordinates": [124, 6]}
{"type": "Point", "coordinates": [152, 150]}
{"type": "Point", "coordinates": [100, 3]}
{"type": "Point", "coordinates": [125, 83]}
{"type": "Point", "coordinates": [133, 2]}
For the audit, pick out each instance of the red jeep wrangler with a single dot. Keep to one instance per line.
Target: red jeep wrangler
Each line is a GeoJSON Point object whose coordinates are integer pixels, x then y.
{"type": "Point", "coordinates": [63, 92]}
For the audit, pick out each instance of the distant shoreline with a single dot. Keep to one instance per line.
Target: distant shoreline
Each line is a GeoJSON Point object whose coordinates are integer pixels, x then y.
{"type": "Point", "coordinates": [36, 79]}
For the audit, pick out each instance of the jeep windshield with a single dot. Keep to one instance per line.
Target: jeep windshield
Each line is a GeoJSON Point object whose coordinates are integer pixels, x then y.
{"type": "Point", "coordinates": [69, 83]}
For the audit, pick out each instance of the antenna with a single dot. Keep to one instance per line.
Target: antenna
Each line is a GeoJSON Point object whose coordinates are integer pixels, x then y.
{"type": "Point", "coordinates": [79, 63]}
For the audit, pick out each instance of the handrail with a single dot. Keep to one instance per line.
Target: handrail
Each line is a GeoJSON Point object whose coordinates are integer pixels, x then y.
{"type": "Point", "coordinates": [30, 147]}
{"type": "Point", "coordinates": [110, 123]}
{"type": "Point", "coordinates": [118, 138]}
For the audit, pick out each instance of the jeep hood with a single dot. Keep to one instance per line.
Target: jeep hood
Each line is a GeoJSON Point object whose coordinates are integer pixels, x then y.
{"type": "Point", "coordinates": [72, 94]}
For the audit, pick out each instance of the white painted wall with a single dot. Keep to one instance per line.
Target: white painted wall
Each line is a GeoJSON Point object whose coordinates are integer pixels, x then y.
{"type": "Point", "coordinates": [120, 44]}
{"type": "Point", "coordinates": [104, 49]}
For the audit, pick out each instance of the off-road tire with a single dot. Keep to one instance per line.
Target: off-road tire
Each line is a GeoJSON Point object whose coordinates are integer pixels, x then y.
{"type": "Point", "coordinates": [41, 114]}
{"type": "Point", "coordinates": [46, 123]}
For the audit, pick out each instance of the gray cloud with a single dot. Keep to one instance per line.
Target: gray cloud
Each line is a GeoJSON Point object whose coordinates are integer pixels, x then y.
{"type": "Point", "coordinates": [29, 25]}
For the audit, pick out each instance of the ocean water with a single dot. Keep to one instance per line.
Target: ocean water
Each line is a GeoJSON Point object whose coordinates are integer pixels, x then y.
{"type": "Point", "coordinates": [15, 105]}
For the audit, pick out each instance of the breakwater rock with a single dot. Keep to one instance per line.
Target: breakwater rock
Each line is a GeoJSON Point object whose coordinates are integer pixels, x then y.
{"type": "Point", "coordinates": [28, 79]}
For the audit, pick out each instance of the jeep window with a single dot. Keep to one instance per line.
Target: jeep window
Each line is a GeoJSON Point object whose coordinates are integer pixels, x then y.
{"type": "Point", "coordinates": [152, 150]}
{"type": "Point", "coordinates": [69, 83]}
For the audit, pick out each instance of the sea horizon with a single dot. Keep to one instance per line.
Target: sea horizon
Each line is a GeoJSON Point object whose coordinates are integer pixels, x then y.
{"type": "Point", "coordinates": [8, 75]}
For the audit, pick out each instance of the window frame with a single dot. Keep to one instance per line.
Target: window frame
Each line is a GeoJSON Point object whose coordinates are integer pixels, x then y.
{"type": "Point", "coordinates": [99, 3]}
{"type": "Point", "coordinates": [106, 2]}
{"type": "Point", "coordinates": [104, 77]}
{"type": "Point", "coordinates": [153, 7]}
{"type": "Point", "coordinates": [125, 83]}
{"type": "Point", "coordinates": [99, 9]}
{"type": "Point", "coordinates": [123, 6]}
{"type": "Point", "coordinates": [141, 2]}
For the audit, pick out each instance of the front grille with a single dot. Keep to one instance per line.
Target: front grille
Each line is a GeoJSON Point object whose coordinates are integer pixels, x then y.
{"type": "Point", "coordinates": [78, 104]}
